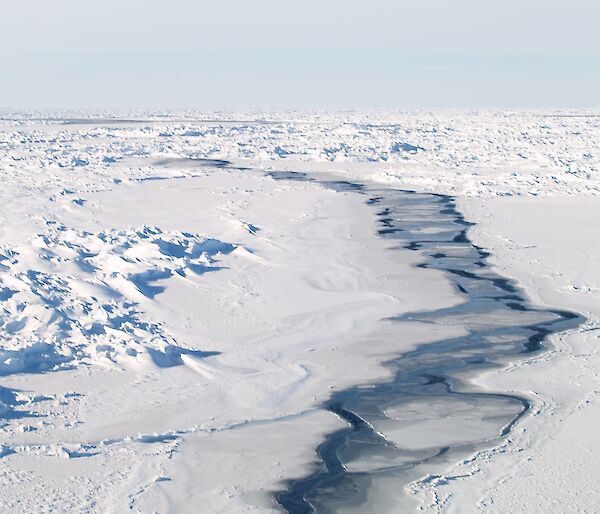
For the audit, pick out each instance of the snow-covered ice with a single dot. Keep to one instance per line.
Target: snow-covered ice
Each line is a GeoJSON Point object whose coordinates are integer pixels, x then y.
{"type": "Point", "coordinates": [172, 316]}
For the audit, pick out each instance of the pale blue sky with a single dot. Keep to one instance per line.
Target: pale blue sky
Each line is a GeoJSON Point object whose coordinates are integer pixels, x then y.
{"type": "Point", "coordinates": [309, 54]}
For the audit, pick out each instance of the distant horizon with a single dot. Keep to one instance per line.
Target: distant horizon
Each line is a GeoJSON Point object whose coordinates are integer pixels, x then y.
{"type": "Point", "coordinates": [116, 114]}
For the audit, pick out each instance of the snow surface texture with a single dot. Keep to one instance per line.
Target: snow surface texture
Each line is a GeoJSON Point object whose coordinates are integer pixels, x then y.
{"type": "Point", "coordinates": [159, 306]}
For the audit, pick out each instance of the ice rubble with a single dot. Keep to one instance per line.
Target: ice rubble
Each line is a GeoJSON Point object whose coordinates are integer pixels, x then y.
{"type": "Point", "coordinates": [475, 153]}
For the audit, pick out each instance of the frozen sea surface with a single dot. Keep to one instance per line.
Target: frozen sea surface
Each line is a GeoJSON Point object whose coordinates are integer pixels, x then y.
{"type": "Point", "coordinates": [186, 300]}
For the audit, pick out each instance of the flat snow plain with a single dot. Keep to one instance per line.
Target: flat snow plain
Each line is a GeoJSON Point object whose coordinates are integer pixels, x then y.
{"type": "Point", "coordinates": [161, 308]}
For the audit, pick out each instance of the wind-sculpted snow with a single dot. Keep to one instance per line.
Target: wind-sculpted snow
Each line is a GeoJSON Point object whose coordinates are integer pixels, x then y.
{"type": "Point", "coordinates": [78, 296]}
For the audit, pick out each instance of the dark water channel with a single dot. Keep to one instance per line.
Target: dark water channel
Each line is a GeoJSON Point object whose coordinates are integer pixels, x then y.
{"type": "Point", "coordinates": [428, 415]}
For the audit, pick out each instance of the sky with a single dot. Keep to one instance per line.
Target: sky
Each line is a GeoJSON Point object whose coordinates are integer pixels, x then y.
{"type": "Point", "coordinates": [309, 54]}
